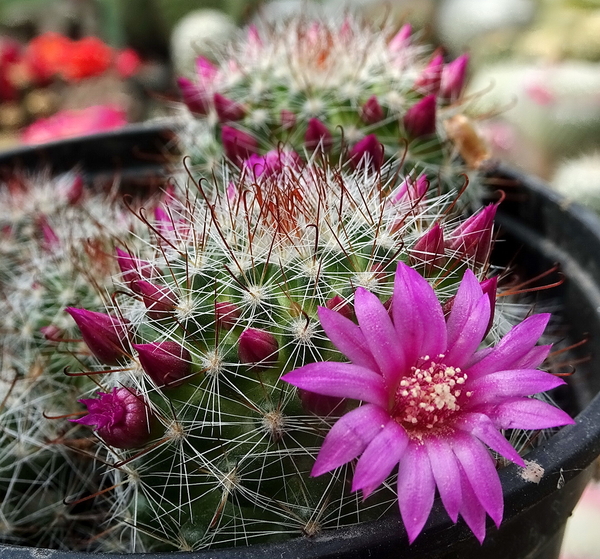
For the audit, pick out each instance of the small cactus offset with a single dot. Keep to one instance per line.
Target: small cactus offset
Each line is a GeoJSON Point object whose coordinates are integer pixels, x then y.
{"type": "Point", "coordinates": [56, 251]}
{"type": "Point", "coordinates": [343, 91]}
{"type": "Point", "coordinates": [210, 447]}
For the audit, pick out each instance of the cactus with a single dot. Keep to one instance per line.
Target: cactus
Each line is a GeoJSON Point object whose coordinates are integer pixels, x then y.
{"type": "Point", "coordinates": [220, 450]}
{"type": "Point", "coordinates": [56, 250]}
{"type": "Point", "coordinates": [343, 92]}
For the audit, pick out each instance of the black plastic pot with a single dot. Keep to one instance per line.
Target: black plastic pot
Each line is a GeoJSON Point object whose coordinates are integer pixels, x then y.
{"type": "Point", "coordinates": [549, 231]}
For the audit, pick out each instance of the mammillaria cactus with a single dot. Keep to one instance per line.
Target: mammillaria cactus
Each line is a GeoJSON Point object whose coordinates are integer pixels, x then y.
{"type": "Point", "coordinates": [264, 278]}
{"type": "Point", "coordinates": [343, 91]}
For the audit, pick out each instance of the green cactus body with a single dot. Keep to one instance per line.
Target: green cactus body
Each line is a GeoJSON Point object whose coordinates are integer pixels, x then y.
{"type": "Point", "coordinates": [232, 447]}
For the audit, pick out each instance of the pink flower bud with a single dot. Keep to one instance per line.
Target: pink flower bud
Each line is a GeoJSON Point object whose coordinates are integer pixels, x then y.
{"type": "Point", "coordinates": [288, 119]}
{"type": "Point", "coordinates": [163, 220]}
{"type": "Point", "coordinates": [120, 417]}
{"type": "Point", "coordinates": [75, 191]}
{"type": "Point", "coordinates": [453, 78]}
{"type": "Point", "coordinates": [317, 135]}
{"type": "Point", "coordinates": [272, 163]}
{"type": "Point", "coordinates": [238, 145]}
{"type": "Point", "coordinates": [338, 304]}
{"type": "Point", "coordinates": [206, 70]}
{"type": "Point", "coordinates": [52, 333]}
{"type": "Point", "coordinates": [132, 269]}
{"type": "Point", "coordinates": [228, 109]}
{"type": "Point", "coordinates": [158, 299]}
{"type": "Point", "coordinates": [429, 250]}
{"type": "Point", "coordinates": [411, 190]}
{"type": "Point", "coordinates": [194, 96]}
{"type": "Point", "coordinates": [50, 238]}
{"type": "Point", "coordinates": [419, 120]}
{"type": "Point", "coordinates": [369, 149]}
{"type": "Point", "coordinates": [254, 36]}
{"type": "Point", "coordinates": [401, 39]}
{"type": "Point", "coordinates": [106, 336]}
{"type": "Point", "coordinates": [227, 314]}
{"type": "Point", "coordinates": [429, 80]}
{"type": "Point", "coordinates": [371, 111]}
{"type": "Point", "coordinates": [473, 238]}
{"type": "Point", "coordinates": [258, 348]}
{"type": "Point", "coordinates": [490, 288]}
{"type": "Point", "coordinates": [323, 406]}
{"type": "Point", "coordinates": [167, 363]}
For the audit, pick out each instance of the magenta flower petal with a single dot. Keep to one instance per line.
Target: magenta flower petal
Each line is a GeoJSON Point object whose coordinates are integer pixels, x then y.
{"type": "Point", "coordinates": [347, 337]}
{"type": "Point", "coordinates": [482, 427]}
{"type": "Point", "coordinates": [513, 347]}
{"type": "Point", "coordinates": [418, 316]}
{"type": "Point", "coordinates": [534, 358]}
{"type": "Point", "coordinates": [528, 413]}
{"type": "Point", "coordinates": [479, 467]}
{"type": "Point", "coordinates": [379, 458]}
{"type": "Point", "coordinates": [379, 332]}
{"type": "Point", "coordinates": [498, 386]}
{"type": "Point", "coordinates": [445, 469]}
{"type": "Point", "coordinates": [472, 512]}
{"type": "Point", "coordinates": [473, 331]}
{"type": "Point", "coordinates": [349, 437]}
{"type": "Point", "coordinates": [416, 489]}
{"type": "Point", "coordinates": [468, 295]}
{"type": "Point", "coordinates": [340, 379]}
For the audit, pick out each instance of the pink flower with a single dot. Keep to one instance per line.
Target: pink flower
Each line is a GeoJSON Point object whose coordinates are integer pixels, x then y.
{"type": "Point", "coordinates": [473, 237]}
{"type": "Point", "coordinates": [237, 145]}
{"type": "Point", "coordinates": [228, 109]}
{"type": "Point", "coordinates": [258, 348]}
{"type": "Point", "coordinates": [431, 403]}
{"type": "Point", "coordinates": [68, 124]}
{"type": "Point", "coordinates": [429, 80]}
{"type": "Point", "coordinates": [120, 417]}
{"type": "Point", "coordinates": [371, 112]}
{"type": "Point", "coordinates": [317, 135]}
{"type": "Point", "coordinates": [453, 78]}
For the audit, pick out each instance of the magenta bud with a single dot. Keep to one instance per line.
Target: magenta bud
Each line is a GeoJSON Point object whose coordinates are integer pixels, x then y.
{"type": "Point", "coordinates": [206, 70]}
{"type": "Point", "coordinates": [411, 190]}
{"type": "Point", "coordinates": [132, 269]}
{"type": "Point", "coordinates": [258, 348]}
{"type": "Point", "coordinates": [490, 288]}
{"type": "Point", "coordinates": [168, 364]}
{"type": "Point", "coordinates": [429, 250]}
{"type": "Point", "coordinates": [254, 36]}
{"type": "Point", "coordinates": [238, 145]}
{"type": "Point", "coordinates": [120, 417]}
{"type": "Point", "coordinates": [227, 109]}
{"type": "Point", "coordinates": [226, 314]}
{"type": "Point", "coordinates": [338, 304]}
{"type": "Point", "coordinates": [371, 111]}
{"type": "Point", "coordinates": [320, 405]}
{"type": "Point", "coordinates": [430, 79]}
{"type": "Point", "coordinates": [453, 78]}
{"type": "Point", "coordinates": [52, 333]}
{"type": "Point", "coordinates": [368, 149]}
{"type": "Point", "coordinates": [273, 162]}
{"type": "Point", "coordinates": [317, 135]}
{"type": "Point", "coordinates": [106, 336]}
{"type": "Point", "coordinates": [419, 120]}
{"type": "Point", "coordinates": [158, 299]}
{"type": "Point", "coordinates": [288, 119]}
{"type": "Point", "coordinates": [194, 96]}
{"type": "Point", "coordinates": [473, 238]}
{"type": "Point", "coordinates": [75, 190]}
{"type": "Point", "coordinates": [401, 39]}
{"type": "Point", "coordinates": [50, 238]}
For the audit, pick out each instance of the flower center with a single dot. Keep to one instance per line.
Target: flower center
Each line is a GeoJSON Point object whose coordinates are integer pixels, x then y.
{"type": "Point", "coordinates": [429, 396]}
